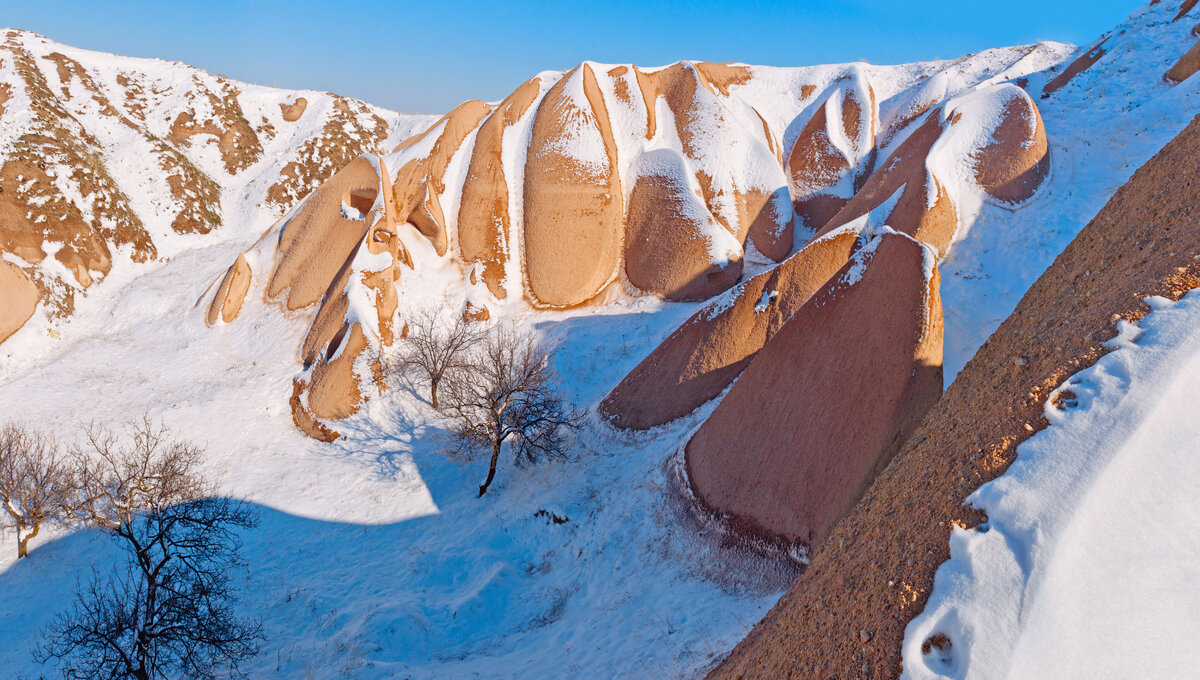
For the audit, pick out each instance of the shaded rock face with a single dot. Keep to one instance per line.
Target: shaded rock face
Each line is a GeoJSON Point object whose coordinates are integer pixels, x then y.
{"type": "Point", "coordinates": [708, 351]}
{"type": "Point", "coordinates": [1141, 244]}
{"type": "Point", "coordinates": [828, 400]}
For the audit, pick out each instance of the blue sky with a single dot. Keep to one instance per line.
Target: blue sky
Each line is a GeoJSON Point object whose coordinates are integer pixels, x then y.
{"type": "Point", "coordinates": [427, 57]}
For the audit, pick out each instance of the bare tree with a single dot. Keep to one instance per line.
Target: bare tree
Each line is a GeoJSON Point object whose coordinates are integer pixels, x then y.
{"type": "Point", "coordinates": [169, 611]}
{"type": "Point", "coordinates": [506, 392]}
{"type": "Point", "coordinates": [435, 348]}
{"type": "Point", "coordinates": [36, 481]}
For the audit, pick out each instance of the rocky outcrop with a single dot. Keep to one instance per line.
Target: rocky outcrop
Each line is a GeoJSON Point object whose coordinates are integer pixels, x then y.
{"type": "Point", "coordinates": [1186, 67]}
{"type": "Point", "coordinates": [874, 572]}
{"type": "Point", "coordinates": [1081, 64]}
{"type": "Point", "coordinates": [701, 357]}
{"type": "Point", "coordinates": [572, 195]}
{"type": "Point", "coordinates": [18, 299]}
{"type": "Point", "coordinates": [788, 451]}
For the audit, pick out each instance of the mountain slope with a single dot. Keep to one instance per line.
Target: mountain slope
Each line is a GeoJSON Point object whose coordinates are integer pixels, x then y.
{"type": "Point", "coordinates": [849, 611]}
{"type": "Point", "coordinates": [109, 161]}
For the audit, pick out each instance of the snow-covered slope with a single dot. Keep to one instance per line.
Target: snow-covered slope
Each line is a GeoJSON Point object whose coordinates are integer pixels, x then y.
{"type": "Point", "coordinates": [1087, 567]}
{"type": "Point", "coordinates": [375, 559]}
{"type": "Point", "coordinates": [108, 162]}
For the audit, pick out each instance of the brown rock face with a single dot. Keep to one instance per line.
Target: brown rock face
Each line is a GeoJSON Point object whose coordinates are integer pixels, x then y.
{"type": "Point", "coordinates": [1083, 63]}
{"type": "Point", "coordinates": [905, 171]}
{"type": "Point", "coordinates": [1014, 165]}
{"type": "Point", "coordinates": [673, 246]}
{"type": "Point", "coordinates": [292, 112]}
{"type": "Point", "coordinates": [572, 195]}
{"type": "Point", "coordinates": [1187, 65]}
{"type": "Point", "coordinates": [419, 182]}
{"type": "Point", "coordinates": [334, 392]}
{"type": "Point", "coordinates": [876, 569]}
{"type": "Point", "coordinates": [787, 452]}
{"type": "Point", "coordinates": [483, 222]}
{"type": "Point", "coordinates": [18, 299]}
{"type": "Point", "coordinates": [832, 151]}
{"type": "Point", "coordinates": [319, 239]}
{"type": "Point", "coordinates": [227, 303]}
{"type": "Point", "coordinates": [701, 357]}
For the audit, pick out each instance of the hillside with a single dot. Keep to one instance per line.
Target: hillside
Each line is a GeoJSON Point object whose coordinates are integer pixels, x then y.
{"type": "Point", "coordinates": [757, 281]}
{"type": "Point", "coordinates": [110, 162]}
{"type": "Point", "coordinates": [853, 606]}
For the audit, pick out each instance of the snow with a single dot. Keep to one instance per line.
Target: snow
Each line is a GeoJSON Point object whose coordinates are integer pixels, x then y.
{"type": "Point", "coordinates": [1102, 126]}
{"type": "Point", "coordinates": [1088, 565]}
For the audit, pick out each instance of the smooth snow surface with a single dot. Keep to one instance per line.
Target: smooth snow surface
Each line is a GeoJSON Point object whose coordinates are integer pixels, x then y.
{"type": "Point", "coordinates": [1089, 564]}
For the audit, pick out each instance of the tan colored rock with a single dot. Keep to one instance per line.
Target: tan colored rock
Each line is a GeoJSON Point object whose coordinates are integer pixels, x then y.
{"type": "Point", "coordinates": [227, 303]}
{"type": "Point", "coordinates": [788, 451]}
{"type": "Point", "coordinates": [1017, 160]}
{"type": "Point", "coordinates": [483, 222]}
{"type": "Point", "coordinates": [905, 171]}
{"type": "Point", "coordinates": [318, 240]}
{"type": "Point", "coordinates": [689, 90]}
{"type": "Point", "coordinates": [293, 111]}
{"type": "Point", "coordinates": [832, 151]}
{"type": "Point", "coordinates": [419, 181]}
{"type": "Point", "coordinates": [18, 299]}
{"type": "Point", "coordinates": [334, 393]}
{"type": "Point", "coordinates": [1187, 65]}
{"type": "Point", "coordinates": [701, 357]}
{"type": "Point", "coordinates": [673, 246]}
{"type": "Point", "coordinates": [572, 196]}
{"type": "Point", "coordinates": [303, 420]}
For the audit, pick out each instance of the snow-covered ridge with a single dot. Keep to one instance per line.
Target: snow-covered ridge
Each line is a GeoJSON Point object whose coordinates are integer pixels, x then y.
{"type": "Point", "coordinates": [1086, 566]}
{"type": "Point", "coordinates": [108, 161]}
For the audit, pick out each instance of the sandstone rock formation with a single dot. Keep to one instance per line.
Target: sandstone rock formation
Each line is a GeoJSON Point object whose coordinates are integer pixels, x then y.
{"type": "Point", "coordinates": [701, 357]}
{"type": "Point", "coordinates": [875, 570]}
{"type": "Point", "coordinates": [994, 136]}
{"type": "Point", "coordinates": [828, 400]}
{"type": "Point", "coordinates": [610, 181]}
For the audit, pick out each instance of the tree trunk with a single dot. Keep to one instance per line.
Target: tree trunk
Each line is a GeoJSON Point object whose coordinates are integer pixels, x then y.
{"type": "Point", "coordinates": [23, 541]}
{"type": "Point", "coordinates": [491, 470]}
{"type": "Point", "coordinates": [433, 393]}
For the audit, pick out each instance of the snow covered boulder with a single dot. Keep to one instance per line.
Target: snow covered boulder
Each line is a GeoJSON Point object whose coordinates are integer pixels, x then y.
{"type": "Point", "coordinates": [673, 246]}
{"type": "Point", "coordinates": [829, 399]}
{"type": "Point", "coordinates": [572, 195]}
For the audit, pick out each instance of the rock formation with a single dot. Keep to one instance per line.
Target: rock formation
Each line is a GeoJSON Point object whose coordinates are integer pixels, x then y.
{"type": "Point", "coordinates": [828, 400]}
{"type": "Point", "coordinates": [78, 129]}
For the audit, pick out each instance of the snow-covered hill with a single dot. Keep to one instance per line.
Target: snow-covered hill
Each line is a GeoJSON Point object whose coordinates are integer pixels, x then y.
{"type": "Point", "coordinates": [375, 558]}
{"type": "Point", "coordinates": [108, 162]}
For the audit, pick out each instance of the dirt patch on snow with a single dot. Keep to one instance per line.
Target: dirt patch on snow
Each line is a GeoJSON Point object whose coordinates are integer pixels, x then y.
{"type": "Point", "coordinates": [292, 112]}
{"type": "Point", "coordinates": [875, 570]}
{"type": "Point", "coordinates": [1076, 67]}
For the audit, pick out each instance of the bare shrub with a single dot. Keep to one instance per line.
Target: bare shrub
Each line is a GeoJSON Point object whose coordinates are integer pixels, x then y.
{"type": "Point", "coordinates": [435, 348]}
{"type": "Point", "coordinates": [36, 481]}
{"type": "Point", "coordinates": [167, 612]}
{"type": "Point", "coordinates": [506, 392]}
